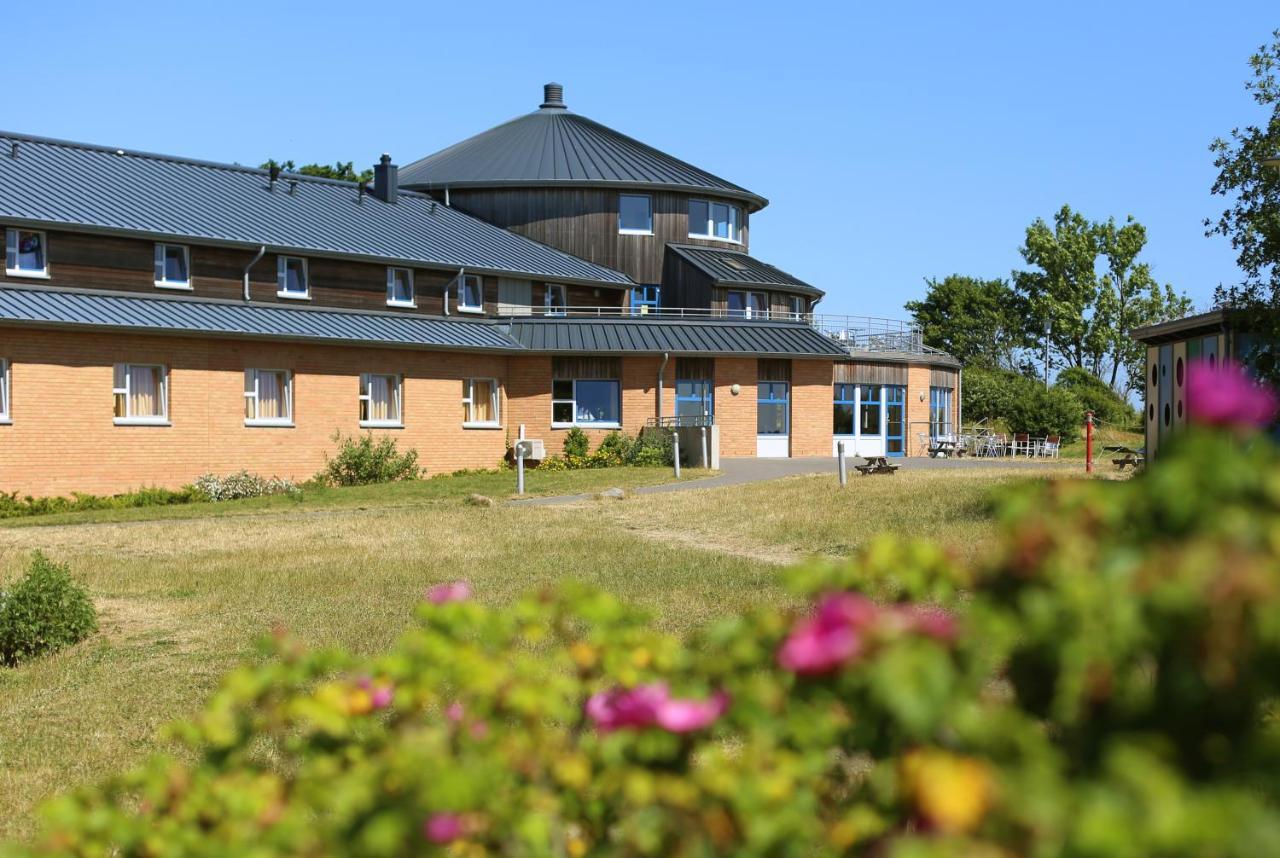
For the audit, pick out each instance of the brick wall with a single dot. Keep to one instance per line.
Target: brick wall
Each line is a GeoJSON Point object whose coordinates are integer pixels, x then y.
{"type": "Point", "coordinates": [736, 415]}
{"type": "Point", "coordinates": [811, 403]}
{"type": "Point", "coordinates": [917, 411]}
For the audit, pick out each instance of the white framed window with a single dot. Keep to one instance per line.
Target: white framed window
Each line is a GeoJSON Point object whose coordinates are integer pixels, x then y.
{"type": "Point", "coordinates": [141, 394]}
{"type": "Point", "coordinates": [25, 253]}
{"type": "Point", "coordinates": [586, 402]}
{"type": "Point", "coordinates": [471, 294]}
{"type": "Point", "coordinates": [381, 400]}
{"type": "Point", "coordinates": [718, 221]}
{"type": "Point", "coordinates": [555, 299]}
{"type": "Point", "coordinates": [5, 416]}
{"type": "Point", "coordinates": [480, 402]}
{"type": "Point", "coordinates": [291, 278]}
{"type": "Point", "coordinates": [268, 397]}
{"type": "Point", "coordinates": [400, 288]}
{"type": "Point", "coordinates": [747, 305]}
{"type": "Point", "coordinates": [635, 214]}
{"type": "Point", "coordinates": [795, 307]}
{"type": "Point", "coordinates": [173, 266]}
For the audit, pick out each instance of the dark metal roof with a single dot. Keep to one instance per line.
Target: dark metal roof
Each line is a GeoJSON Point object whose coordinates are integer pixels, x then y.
{"type": "Point", "coordinates": [622, 336]}
{"type": "Point", "coordinates": [77, 186]}
{"type": "Point", "coordinates": [734, 268]}
{"type": "Point", "coordinates": [115, 311]}
{"type": "Point", "coordinates": [1201, 323]}
{"type": "Point", "coordinates": [935, 358]}
{"type": "Point", "coordinates": [554, 146]}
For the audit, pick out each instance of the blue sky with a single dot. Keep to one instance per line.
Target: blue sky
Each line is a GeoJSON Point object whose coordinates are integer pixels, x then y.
{"type": "Point", "coordinates": [894, 142]}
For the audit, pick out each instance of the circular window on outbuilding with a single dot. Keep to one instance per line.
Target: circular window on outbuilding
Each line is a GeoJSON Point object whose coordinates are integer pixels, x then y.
{"type": "Point", "coordinates": [1177, 373]}
{"type": "Point", "coordinates": [1167, 414]}
{"type": "Point", "coordinates": [1151, 411]}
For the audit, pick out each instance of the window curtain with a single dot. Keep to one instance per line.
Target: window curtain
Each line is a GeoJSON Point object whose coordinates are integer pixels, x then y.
{"type": "Point", "coordinates": [482, 402]}
{"type": "Point", "coordinates": [144, 391]}
{"type": "Point", "coordinates": [380, 392]}
{"type": "Point", "coordinates": [270, 396]}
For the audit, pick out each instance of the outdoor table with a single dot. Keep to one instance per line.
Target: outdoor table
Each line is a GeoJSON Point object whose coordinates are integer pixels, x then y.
{"type": "Point", "coordinates": [876, 465]}
{"type": "Point", "coordinates": [1126, 456]}
{"type": "Point", "coordinates": [944, 449]}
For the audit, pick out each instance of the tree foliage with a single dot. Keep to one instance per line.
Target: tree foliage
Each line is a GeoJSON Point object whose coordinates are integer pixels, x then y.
{"type": "Point", "coordinates": [1019, 403]}
{"type": "Point", "coordinates": [1097, 396]}
{"type": "Point", "coordinates": [980, 322]}
{"type": "Point", "coordinates": [344, 171]}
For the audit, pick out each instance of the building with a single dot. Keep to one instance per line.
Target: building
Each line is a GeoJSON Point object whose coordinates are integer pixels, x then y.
{"type": "Point", "coordinates": [163, 317]}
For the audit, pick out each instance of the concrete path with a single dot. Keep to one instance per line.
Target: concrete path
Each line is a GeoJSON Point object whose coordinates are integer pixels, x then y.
{"type": "Point", "coordinates": [734, 472]}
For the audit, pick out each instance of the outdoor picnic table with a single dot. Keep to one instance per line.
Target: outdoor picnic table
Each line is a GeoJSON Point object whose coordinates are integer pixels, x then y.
{"type": "Point", "coordinates": [1126, 456]}
{"type": "Point", "coordinates": [945, 449]}
{"type": "Point", "coordinates": [876, 465]}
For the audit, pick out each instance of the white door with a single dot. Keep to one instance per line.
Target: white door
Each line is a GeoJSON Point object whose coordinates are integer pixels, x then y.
{"type": "Point", "coordinates": [514, 297]}
{"type": "Point", "coordinates": [773, 419]}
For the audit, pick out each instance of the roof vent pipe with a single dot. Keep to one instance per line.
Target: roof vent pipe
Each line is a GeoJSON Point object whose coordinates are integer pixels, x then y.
{"type": "Point", "coordinates": [274, 173]}
{"type": "Point", "coordinates": [553, 97]}
{"type": "Point", "coordinates": [13, 150]}
{"type": "Point", "coordinates": [386, 180]}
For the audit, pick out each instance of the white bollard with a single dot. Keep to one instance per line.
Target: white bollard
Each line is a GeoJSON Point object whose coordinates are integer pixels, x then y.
{"type": "Point", "coordinates": [706, 454]}
{"type": "Point", "coordinates": [675, 450]}
{"type": "Point", "coordinates": [520, 463]}
{"type": "Point", "coordinates": [844, 473]}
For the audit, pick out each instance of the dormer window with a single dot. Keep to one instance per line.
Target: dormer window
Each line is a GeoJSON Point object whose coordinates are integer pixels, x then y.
{"type": "Point", "coordinates": [172, 267]}
{"type": "Point", "coordinates": [400, 288]}
{"type": "Point", "coordinates": [471, 294]}
{"type": "Point", "coordinates": [291, 278]}
{"type": "Point", "coordinates": [717, 221]}
{"type": "Point", "coordinates": [635, 214]}
{"type": "Point", "coordinates": [556, 302]}
{"type": "Point", "coordinates": [24, 253]}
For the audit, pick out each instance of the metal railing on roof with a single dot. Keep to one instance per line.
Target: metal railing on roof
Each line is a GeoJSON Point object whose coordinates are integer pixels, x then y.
{"type": "Point", "coordinates": [854, 333]}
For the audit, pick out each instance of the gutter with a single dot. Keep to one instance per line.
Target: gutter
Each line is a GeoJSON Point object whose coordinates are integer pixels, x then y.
{"type": "Point", "coordinates": [262, 251]}
{"type": "Point", "coordinates": [662, 371]}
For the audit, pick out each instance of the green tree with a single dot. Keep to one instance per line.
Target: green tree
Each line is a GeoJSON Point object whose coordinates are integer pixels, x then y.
{"type": "Point", "coordinates": [344, 171]}
{"type": "Point", "coordinates": [980, 322]}
{"type": "Point", "coordinates": [1087, 292]}
{"type": "Point", "coordinates": [1251, 221]}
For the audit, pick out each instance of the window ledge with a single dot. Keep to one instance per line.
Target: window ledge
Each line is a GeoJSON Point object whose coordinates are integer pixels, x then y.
{"type": "Point", "coordinates": [476, 310]}
{"type": "Point", "coordinates": [141, 421]}
{"type": "Point", "coordinates": [635, 232]}
{"type": "Point", "coordinates": [409, 305]}
{"type": "Point", "coordinates": [180, 287]}
{"type": "Point", "coordinates": [586, 425]}
{"type": "Point", "coordinates": [30, 275]}
{"type": "Point", "coordinates": [368, 424]}
{"type": "Point", "coordinates": [294, 296]}
{"type": "Point", "coordinates": [487, 425]}
{"type": "Point", "coordinates": [715, 238]}
{"type": "Point", "coordinates": [6, 421]}
{"type": "Point", "coordinates": [279, 424]}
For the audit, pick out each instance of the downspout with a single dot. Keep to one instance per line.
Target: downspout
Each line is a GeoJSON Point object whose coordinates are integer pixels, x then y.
{"type": "Point", "coordinates": [662, 371]}
{"type": "Point", "coordinates": [262, 251]}
{"type": "Point", "coordinates": [457, 278]}
{"type": "Point", "coordinates": [959, 401]}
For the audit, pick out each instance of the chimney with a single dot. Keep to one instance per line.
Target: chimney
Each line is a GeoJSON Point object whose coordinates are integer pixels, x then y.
{"type": "Point", "coordinates": [553, 97]}
{"type": "Point", "coordinates": [386, 180]}
{"type": "Point", "coordinates": [273, 172]}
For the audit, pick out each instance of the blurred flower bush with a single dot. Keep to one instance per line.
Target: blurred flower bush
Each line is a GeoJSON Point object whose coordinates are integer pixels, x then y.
{"type": "Point", "coordinates": [1104, 684]}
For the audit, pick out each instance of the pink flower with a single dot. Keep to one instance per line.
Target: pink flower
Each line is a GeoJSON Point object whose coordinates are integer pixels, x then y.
{"type": "Point", "coordinates": [443, 594]}
{"type": "Point", "coordinates": [1225, 395]}
{"type": "Point", "coordinates": [652, 705]}
{"type": "Point", "coordinates": [685, 716]}
{"type": "Point", "coordinates": [830, 638]}
{"type": "Point", "coordinates": [442, 828]}
{"type": "Point", "coordinates": [455, 712]}
{"type": "Point", "coordinates": [380, 694]}
{"type": "Point", "coordinates": [929, 621]}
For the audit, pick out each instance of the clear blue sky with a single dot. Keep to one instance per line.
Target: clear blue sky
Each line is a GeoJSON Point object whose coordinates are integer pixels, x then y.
{"type": "Point", "coordinates": [895, 142]}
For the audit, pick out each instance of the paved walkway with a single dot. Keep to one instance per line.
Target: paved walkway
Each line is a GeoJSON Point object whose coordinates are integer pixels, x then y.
{"type": "Point", "coordinates": [734, 472]}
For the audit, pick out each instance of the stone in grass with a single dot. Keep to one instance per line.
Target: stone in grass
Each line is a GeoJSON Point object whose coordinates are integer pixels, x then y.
{"type": "Point", "coordinates": [479, 500]}
{"type": "Point", "coordinates": [614, 493]}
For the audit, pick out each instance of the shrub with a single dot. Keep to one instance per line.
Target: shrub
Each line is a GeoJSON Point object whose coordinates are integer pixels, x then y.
{"type": "Point", "coordinates": [363, 461]}
{"type": "Point", "coordinates": [576, 444]}
{"type": "Point", "coordinates": [242, 485]}
{"type": "Point", "coordinates": [1021, 404]}
{"type": "Point", "coordinates": [43, 612]}
{"type": "Point", "coordinates": [11, 506]}
{"type": "Point", "coordinates": [1097, 396]}
{"type": "Point", "coordinates": [1113, 658]}
{"type": "Point", "coordinates": [652, 448]}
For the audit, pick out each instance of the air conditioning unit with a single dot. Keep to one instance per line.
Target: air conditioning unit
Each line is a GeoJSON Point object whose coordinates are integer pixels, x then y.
{"type": "Point", "coordinates": [529, 448]}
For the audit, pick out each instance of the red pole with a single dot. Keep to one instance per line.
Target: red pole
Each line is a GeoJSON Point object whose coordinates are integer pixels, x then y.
{"type": "Point", "coordinates": [1088, 442]}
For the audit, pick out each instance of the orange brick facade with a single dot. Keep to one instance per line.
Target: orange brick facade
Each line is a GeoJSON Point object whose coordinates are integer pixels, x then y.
{"type": "Point", "coordinates": [62, 437]}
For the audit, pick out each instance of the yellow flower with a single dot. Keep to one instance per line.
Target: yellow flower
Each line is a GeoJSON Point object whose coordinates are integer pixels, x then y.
{"type": "Point", "coordinates": [950, 791]}
{"type": "Point", "coordinates": [583, 654]}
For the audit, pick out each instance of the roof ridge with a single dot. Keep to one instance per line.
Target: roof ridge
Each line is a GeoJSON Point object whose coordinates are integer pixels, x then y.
{"type": "Point", "coordinates": [179, 159]}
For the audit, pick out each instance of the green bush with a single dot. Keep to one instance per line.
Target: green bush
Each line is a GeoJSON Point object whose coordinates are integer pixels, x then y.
{"type": "Point", "coordinates": [1021, 404]}
{"type": "Point", "coordinates": [576, 444]}
{"type": "Point", "coordinates": [43, 612]}
{"type": "Point", "coordinates": [1103, 683]}
{"type": "Point", "coordinates": [11, 506]}
{"type": "Point", "coordinates": [652, 448]}
{"type": "Point", "coordinates": [1097, 396]}
{"type": "Point", "coordinates": [363, 461]}
{"type": "Point", "coordinates": [242, 485]}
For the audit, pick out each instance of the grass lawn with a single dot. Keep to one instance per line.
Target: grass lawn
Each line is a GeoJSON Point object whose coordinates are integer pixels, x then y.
{"type": "Point", "coordinates": [183, 592]}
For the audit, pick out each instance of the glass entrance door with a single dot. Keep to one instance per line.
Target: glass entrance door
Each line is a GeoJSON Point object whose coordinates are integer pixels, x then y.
{"type": "Point", "coordinates": [895, 422]}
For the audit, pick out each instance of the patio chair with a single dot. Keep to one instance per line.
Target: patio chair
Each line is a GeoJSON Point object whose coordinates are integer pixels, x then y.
{"type": "Point", "coordinates": [922, 439]}
{"type": "Point", "coordinates": [1021, 444]}
{"type": "Point", "coordinates": [1051, 446]}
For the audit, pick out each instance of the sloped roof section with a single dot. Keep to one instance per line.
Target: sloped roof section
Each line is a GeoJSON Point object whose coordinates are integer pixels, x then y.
{"type": "Point", "coordinates": [554, 146]}
{"type": "Point", "coordinates": [78, 186]}
{"type": "Point", "coordinates": [733, 268]}
{"type": "Point", "coordinates": [620, 336]}
{"type": "Point", "coordinates": [157, 315]}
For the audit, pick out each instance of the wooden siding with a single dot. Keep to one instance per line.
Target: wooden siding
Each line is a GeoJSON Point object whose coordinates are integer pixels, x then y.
{"type": "Point", "coordinates": [776, 301]}
{"type": "Point", "coordinates": [870, 373]}
{"type": "Point", "coordinates": [683, 285]}
{"type": "Point", "coordinates": [584, 222]}
{"type": "Point", "coordinates": [688, 368]}
{"type": "Point", "coordinates": [943, 377]}
{"type": "Point", "coordinates": [117, 264]}
{"type": "Point", "coordinates": [773, 369]}
{"type": "Point", "coordinates": [586, 367]}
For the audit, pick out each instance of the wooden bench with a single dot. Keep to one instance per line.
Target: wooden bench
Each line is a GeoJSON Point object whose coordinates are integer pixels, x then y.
{"type": "Point", "coordinates": [876, 465]}
{"type": "Point", "coordinates": [1126, 456]}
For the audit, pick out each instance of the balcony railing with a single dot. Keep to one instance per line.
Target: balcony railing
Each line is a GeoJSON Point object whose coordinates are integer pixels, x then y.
{"type": "Point", "coordinates": [854, 333]}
